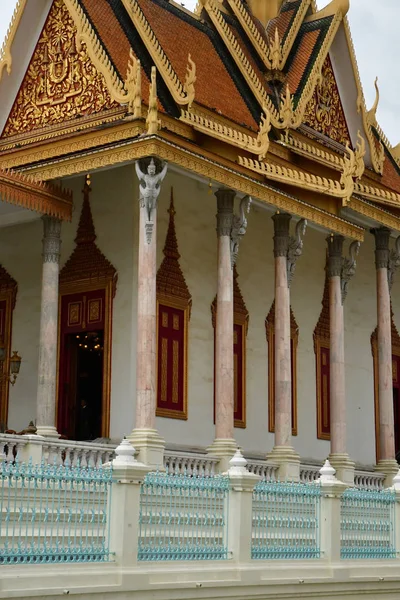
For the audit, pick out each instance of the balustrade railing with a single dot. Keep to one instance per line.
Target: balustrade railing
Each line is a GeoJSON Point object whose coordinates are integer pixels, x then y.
{"type": "Point", "coordinates": [60, 452]}
{"type": "Point", "coordinates": [53, 514]}
{"type": "Point", "coordinates": [187, 463]}
{"type": "Point", "coordinates": [368, 524]}
{"type": "Point", "coordinates": [265, 470]}
{"type": "Point", "coordinates": [286, 521]}
{"type": "Point", "coordinates": [183, 518]}
{"type": "Point", "coordinates": [369, 480]}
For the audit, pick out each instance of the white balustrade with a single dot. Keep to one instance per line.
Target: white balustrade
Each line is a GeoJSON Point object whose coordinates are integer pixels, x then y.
{"type": "Point", "coordinates": [309, 473]}
{"type": "Point", "coordinates": [369, 480]}
{"type": "Point", "coordinates": [186, 463]}
{"type": "Point", "coordinates": [86, 454]}
{"type": "Point", "coordinates": [10, 445]}
{"type": "Point", "coordinates": [267, 471]}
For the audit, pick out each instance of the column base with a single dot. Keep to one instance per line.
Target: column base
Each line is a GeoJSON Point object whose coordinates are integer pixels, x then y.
{"type": "Point", "coordinates": [47, 431]}
{"type": "Point", "coordinates": [224, 449]}
{"type": "Point", "coordinates": [288, 461]}
{"type": "Point", "coordinates": [150, 447]}
{"type": "Point", "coordinates": [390, 468]}
{"type": "Point", "coordinates": [344, 467]}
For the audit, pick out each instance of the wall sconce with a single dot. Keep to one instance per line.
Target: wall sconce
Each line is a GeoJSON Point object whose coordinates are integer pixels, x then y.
{"type": "Point", "coordinates": [15, 365]}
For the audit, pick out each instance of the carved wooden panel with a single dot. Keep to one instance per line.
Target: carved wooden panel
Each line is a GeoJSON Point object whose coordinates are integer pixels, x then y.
{"type": "Point", "coordinates": [324, 112]}
{"type": "Point", "coordinates": [61, 83]}
{"type": "Point", "coordinates": [171, 368]}
{"type": "Point", "coordinates": [173, 305]}
{"type": "Point", "coordinates": [322, 366]}
{"type": "Point", "coordinates": [294, 337]}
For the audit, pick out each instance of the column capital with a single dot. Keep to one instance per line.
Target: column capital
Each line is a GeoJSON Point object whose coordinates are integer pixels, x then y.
{"type": "Point", "coordinates": [382, 252]}
{"type": "Point", "coordinates": [225, 200]}
{"type": "Point", "coordinates": [281, 233]}
{"type": "Point", "coordinates": [51, 239]}
{"type": "Point", "coordinates": [335, 259]}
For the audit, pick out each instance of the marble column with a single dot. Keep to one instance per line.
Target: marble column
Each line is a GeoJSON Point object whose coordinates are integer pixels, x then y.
{"type": "Point", "coordinates": [283, 452]}
{"type": "Point", "coordinates": [224, 445]}
{"type": "Point", "coordinates": [339, 458]}
{"type": "Point", "coordinates": [47, 373]}
{"type": "Point", "coordinates": [145, 436]}
{"type": "Point", "coordinates": [387, 462]}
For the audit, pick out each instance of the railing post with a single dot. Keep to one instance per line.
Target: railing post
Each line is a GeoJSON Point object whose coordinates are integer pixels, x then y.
{"type": "Point", "coordinates": [128, 475]}
{"type": "Point", "coordinates": [31, 449]}
{"type": "Point", "coordinates": [331, 493]}
{"type": "Point", "coordinates": [240, 503]}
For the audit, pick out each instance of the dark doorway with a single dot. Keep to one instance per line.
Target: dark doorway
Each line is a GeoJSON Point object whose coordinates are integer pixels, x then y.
{"type": "Point", "coordinates": [83, 385]}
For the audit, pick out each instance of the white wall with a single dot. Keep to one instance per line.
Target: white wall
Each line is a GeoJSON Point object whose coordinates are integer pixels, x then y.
{"type": "Point", "coordinates": [115, 212]}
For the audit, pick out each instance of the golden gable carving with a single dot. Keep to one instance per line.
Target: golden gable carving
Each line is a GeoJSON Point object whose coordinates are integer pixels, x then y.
{"type": "Point", "coordinates": [61, 83]}
{"type": "Point", "coordinates": [324, 112]}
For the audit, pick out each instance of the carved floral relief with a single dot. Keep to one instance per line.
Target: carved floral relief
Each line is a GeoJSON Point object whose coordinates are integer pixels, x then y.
{"type": "Point", "coordinates": [324, 112]}
{"type": "Point", "coordinates": [61, 83]}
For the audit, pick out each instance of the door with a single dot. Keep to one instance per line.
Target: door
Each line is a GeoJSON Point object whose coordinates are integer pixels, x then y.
{"type": "Point", "coordinates": [81, 365]}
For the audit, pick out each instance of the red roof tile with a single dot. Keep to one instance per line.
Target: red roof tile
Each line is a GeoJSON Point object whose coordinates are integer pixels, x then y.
{"type": "Point", "coordinates": [214, 87]}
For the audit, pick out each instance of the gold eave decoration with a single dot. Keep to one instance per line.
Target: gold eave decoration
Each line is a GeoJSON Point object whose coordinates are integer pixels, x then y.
{"type": "Point", "coordinates": [352, 169]}
{"type": "Point", "coordinates": [183, 94]}
{"type": "Point", "coordinates": [206, 165]}
{"type": "Point", "coordinates": [255, 145]}
{"type": "Point", "coordinates": [22, 190]}
{"type": "Point", "coordinates": [123, 92]}
{"type": "Point", "coordinates": [311, 152]}
{"type": "Point", "coordinates": [378, 194]}
{"type": "Point", "coordinates": [5, 52]}
{"type": "Point", "coordinates": [377, 214]}
{"type": "Point", "coordinates": [377, 157]}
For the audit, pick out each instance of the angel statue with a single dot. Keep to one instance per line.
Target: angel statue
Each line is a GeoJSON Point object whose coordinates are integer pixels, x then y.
{"type": "Point", "coordinates": [150, 187]}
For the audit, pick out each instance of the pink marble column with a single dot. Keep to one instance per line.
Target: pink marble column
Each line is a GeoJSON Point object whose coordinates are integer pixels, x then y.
{"type": "Point", "coordinates": [145, 436]}
{"type": "Point", "coordinates": [283, 377]}
{"type": "Point", "coordinates": [224, 391]}
{"type": "Point", "coordinates": [385, 380]}
{"type": "Point", "coordinates": [337, 366]}
{"type": "Point", "coordinates": [146, 325]}
{"type": "Point", "coordinates": [47, 373]}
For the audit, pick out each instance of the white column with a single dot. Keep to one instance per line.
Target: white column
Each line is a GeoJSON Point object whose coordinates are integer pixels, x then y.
{"type": "Point", "coordinates": [47, 373]}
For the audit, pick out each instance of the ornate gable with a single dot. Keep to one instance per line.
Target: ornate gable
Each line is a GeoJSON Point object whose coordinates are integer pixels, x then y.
{"type": "Point", "coordinates": [61, 83]}
{"type": "Point", "coordinates": [324, 112]}
{"type": "Point", "coordinates": [87, 264]}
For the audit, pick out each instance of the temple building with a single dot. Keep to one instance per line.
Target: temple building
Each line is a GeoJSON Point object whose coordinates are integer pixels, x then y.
{"type": "Point", "coordinates": [199, 234]}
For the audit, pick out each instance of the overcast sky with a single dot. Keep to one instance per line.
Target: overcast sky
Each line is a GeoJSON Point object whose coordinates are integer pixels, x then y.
{"type": "Point", "coordinates": [374, 25]}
